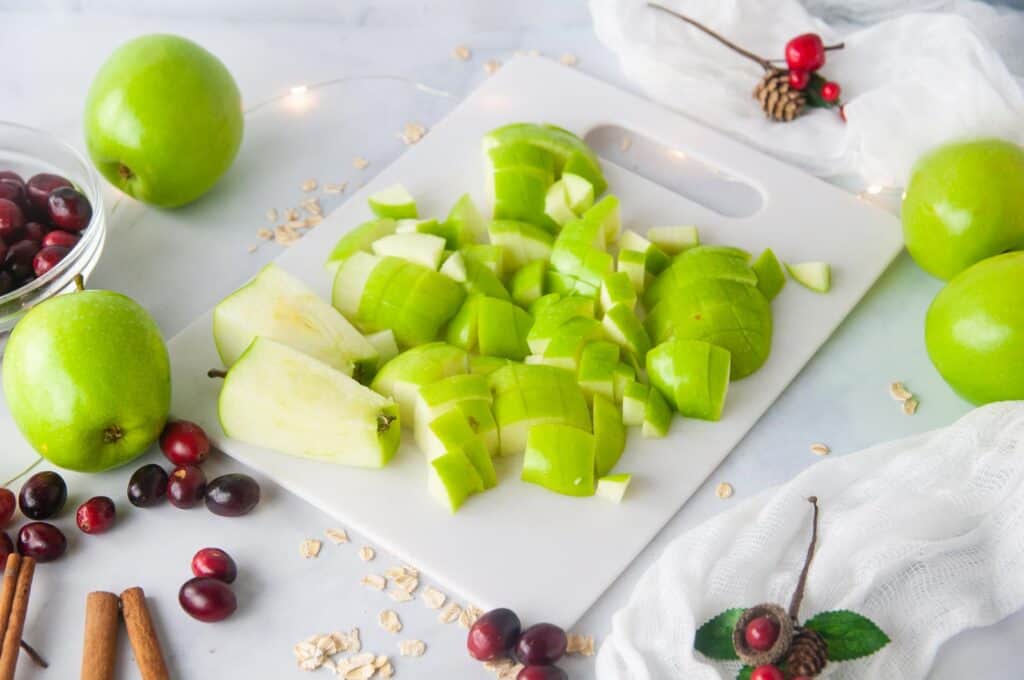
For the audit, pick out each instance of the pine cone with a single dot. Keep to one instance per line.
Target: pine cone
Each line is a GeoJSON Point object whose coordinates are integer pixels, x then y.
{"type": "Point", "coordinates": [808, 654]}
{"type": "Point", "coordinates": [778, 100]}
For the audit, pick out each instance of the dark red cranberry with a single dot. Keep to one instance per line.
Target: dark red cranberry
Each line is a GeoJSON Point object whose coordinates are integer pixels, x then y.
{"type": "Point", "coordinates": [41, 541]}
{"type": "Point", "coordinates": [542, 644]}
{"type": "Point", "coordinates": [34, 231]}
{"type": "Point", "coordinates": [11, 176]}
{"type": "Point", "coordinates": [39, 187]}
{"type": "Point", "coordinates": [47, 258]}
{"type": "Point", "coordinates": [14, 192]}
{"type": "Point", "coordinates": [493, 635]}
{"type": "Point", "coordinates": [8, 504]}
{"type": "Point", "coordinates": [12, 221]}
{"type": "Point", "coordinates": [542, 673]}
{"type": "Point", "coordinates": [6, 282]}
{"type": "Point", "coordinates": [767, 672]}
{"type": "Point", "coordinates": [96, 515]}
{"type": "Point", "coordinates": [761, 633]}
{"type": "Point", "coordinates": [215, 563]}
{"type": "Point", "coordinates": [69, 209]}
{"type": "Point", "coordinates": [64, 239]}
{"type": "Point", "coordinates": [186, 486]}
{"type": "Point", "coordinates": [232, 495]}
{"type": "Point", "coordinates": [207, 599]}
{"type": "Point", "coordinates": [184, 443]}
{"type": "Point", "coordinates": [148, 486]}
{"type": "Point", "coordinates": [43, 495]}
{"type": "Point", "coordinates": [21, 252]}
{"type": "Point", "coordinates": [6, 548]}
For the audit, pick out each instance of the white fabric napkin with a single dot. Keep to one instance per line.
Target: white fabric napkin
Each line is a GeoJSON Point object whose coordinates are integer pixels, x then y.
{"type": "Point", "coordinates": [924, 536]}
{"type": "Point", "coordinates": [911, 79]}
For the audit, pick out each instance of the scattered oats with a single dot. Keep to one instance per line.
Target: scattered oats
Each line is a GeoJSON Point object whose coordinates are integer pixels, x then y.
{"type": "Point", "coordinates": [386, 671]}
{"type": "Point", "coordinates": [272, 215]}
{"type": "Point", "coordinates": [910, 406]}
{"type": "Point", "coordinates": [491, 66]}
{"type": "Point", "coordinates": [412, 571]}
{"type": "Point", "coordinates": [348, 642]}
{"type": "Point", "coordinates": [499, 665]}
{"type": "Point", "coordinates": [569, 59]}
{"type": "Point", "coordinates": [820, 449]}
{"type": "Point", "coordinates": [375, 581]}
{"type": "Point", "coordinates": [399, 595]}
{"type": "Point", "coordinates": [337, 536]}
{"type": "Point", "coordinates": [412, 133]}
{"type": "Point", "coordinates": [412, 647]}
{"type": "Point", "coordinates": [296, 224]}
{"type": "Point", "coordinates": [285, 235]}
{"type": "Point", "coordinates": [625, 143]}
{"type": "Point", "coordinates": [899, 391]}
{"type": "Point", "coordinates": [389, 621]}
{"type": "Point", "coordinates": [292, 214]}
{"type": "Point", "coordinates": [309, 185]}
{"type": "Point", "coordinates": [335, 188]}
{"type": "Point", "coordinates": [469, 616]}
{"type": "Point", "coordinates": [450, 613]}
{"type": "Point", "coordinates": [308, 656]}
{"type": "Point", "coordinates": [313, 221]}
{"type": "Point", "coordinates": [310, 548]}
{"type": "Point", "coordinates": [433, 598]}
{"type": "Point", "coordinates": [327, 644]}
{"type": "Point", "coordinates": [330, 665]}
{"type": "Point", "coordinates": [462, 53]}
{"type": "Point", "coordinates": [360, 163]}
{"type": "Point", "coordinates": [265, 234]}
{"type": "Point", "coordinates": [361, 673]}
{"type": "Point", "coordinates": [580, 644]}
{"type": "Point", "coordinates": [312, 206]}
{"type": "Point", "coordinates": [252, 249]}
{"type": "Point", "coordinates": [724, 490]}
{"type": "Point", "coordinates": [511, 672]}
{"type": "Point", "coordinates": [311, 663]}
{"type": "Point", "coordinates": [364, 659]}
{"type": "Point", "coordinates": [366, 553]}
{"type": "Point", "coordinates": [380, 661]}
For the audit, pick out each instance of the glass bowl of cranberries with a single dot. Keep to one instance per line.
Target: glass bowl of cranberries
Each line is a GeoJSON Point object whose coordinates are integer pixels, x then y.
{"type": "Point", "coordinates": [52, 225]}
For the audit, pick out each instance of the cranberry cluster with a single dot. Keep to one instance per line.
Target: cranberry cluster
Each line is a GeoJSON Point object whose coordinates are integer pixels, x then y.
{"type": "Point", "coordinates": [208, 597]}
{"type": "Point", "coordinates": [498, 633]}
{"type": "Point", "coordinates": [805, 54]}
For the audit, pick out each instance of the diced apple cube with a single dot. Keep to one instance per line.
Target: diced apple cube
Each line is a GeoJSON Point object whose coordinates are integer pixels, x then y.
{"type": "Point", "coordinates": [424, 249]}
{"type": "Point", "coordinates": [394, 202]}
{"type": "Point", "coordinates": [673, 240]}
{"type": "Point", "coordinates": [613, 487]}
{"type": "Point", "coordinates": [560, 458]}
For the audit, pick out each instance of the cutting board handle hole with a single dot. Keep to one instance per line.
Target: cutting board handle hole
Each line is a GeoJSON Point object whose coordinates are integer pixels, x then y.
{"type": "Point", "coordinates": [673, 168]}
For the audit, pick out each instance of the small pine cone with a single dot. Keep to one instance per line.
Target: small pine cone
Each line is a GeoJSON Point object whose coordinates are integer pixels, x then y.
{"type": "Point", "coordinates": [807, 655]}
{"type": "Point", "coordinates": [778, 100]}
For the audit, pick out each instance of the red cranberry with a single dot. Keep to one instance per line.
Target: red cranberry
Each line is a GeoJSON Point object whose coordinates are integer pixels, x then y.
{"type": "Point", "coordinates": [6, 548]}
{"type": "Point", "coordinates": [96, 515]}
{"type": "Point", "coordinates": [830, 91]}
{"type": "Point", "coordinates": [148, 486]}
{"type": "Point", "coordinates": [11, 176]}
{"type": "Point", "coordinates": [43, 495]}
{"type": "Point", "coordinates": [47, 258]}
{"type": "Point", "coordinates": [207, 599]}
{"type": "Point", "coordinates": [186, 486]}
{"type": "Point", "coordinates": [6, 281]}
{"type": "Point", "coordinates": [798, 80]}
{"type": "Point", "coordinates": [8, 504]}
{"type": "Point", "coordinates": [12, 221]}
{"type": "Point", "coordinates": [18, 260]}
{"type": "Point", "coordinates": [493, 635]}
{"type": "Point", "coordinates": [39, 187]}
{"type": "Point", "coordinates": [232, 495]}
{"type": "Point", "coordinates": [215, 563]}
{"type": "Point", "coordinates": [805, 52]}
{"type": "Point", "coordinates": [69, 209]}
{"type": "Point", "coordinates": [542, 644]}
{"type": "Point", "coordinates": [184, 443]}
{"type": "Point", "coordinates": [64, 239]}
{"type": "Point", "coordinates": [14, 192]}
{"type": "Point", "coordinates": [761, 633]}
{"type": "Point", "coordinates": [542, 673]}
{"type": "Point", "coordinates": [767, 672]}
{"type": "Point", "coordinates": [35, 231]}
{"type": "Point", "coordinates": [41, 541]}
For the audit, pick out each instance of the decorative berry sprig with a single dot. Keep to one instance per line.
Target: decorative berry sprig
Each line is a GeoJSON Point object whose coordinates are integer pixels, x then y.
{"type": "Point", "coordinates": [773, 645]}
{"type": "Point", "coordinates": [784, 94]}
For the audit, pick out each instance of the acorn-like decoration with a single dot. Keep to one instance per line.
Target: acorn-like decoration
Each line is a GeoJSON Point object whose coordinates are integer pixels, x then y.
{"type": "Point", "coordinates": [763, 634]}
{"type": "Point", "coordinates": [807, 654]}
{"type": "Point", "coordinates": [778, 99]}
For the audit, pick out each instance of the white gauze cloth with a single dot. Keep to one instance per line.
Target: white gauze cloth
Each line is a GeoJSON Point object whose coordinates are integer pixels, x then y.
{"type": "Point", "coordinates": [924, 536]}
{"type": "Point", "coordinates": [911, 79]}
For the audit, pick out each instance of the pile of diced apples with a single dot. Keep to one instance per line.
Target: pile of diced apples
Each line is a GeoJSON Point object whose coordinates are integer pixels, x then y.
{"type": "Point", "coordinates": [545, 331]}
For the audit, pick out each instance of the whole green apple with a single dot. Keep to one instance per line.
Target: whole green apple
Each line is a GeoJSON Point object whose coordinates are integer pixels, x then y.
{"type": "Point", "coordinates": [975, 330]}
{"type": "Point", "coordinates": [163, 119]}
{"type": "Point", "coordinates": [87, 379]}
{"type": "Point", "coordinates": [964, 202]}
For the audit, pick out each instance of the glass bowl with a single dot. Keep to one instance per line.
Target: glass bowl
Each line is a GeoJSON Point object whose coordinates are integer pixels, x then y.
{"type": "Point", "coordinates": [28, 151]}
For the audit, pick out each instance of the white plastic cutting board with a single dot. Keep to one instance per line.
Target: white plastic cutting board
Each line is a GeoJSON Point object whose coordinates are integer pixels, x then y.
{"type": "Point", "coordinates": [549, 556]}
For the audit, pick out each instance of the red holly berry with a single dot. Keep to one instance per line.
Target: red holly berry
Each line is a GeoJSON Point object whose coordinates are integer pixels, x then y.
{"type": "Point", "coordinates": [830, 91]}
{"type": "Point", "coordinates": [761, 633]}
{"type": "Point", "coordinates": [805, 52]}
{"type": "Point", "coordinates": [767, 672]}
{"type": "Point", "coordinates": [798, 79]}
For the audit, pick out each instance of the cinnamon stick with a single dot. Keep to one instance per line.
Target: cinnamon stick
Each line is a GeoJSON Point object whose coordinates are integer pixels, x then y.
{"type": "Point", "coordinates": [142, 635]}
{"type": "Point", "coordinates": [16, 623]}
{"type": "Point", "coordinates": [11, 570]}
{"type": "Point", "coordinates": [99, 651]}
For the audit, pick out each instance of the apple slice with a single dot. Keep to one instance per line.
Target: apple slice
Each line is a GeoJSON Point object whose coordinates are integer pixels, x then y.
{"type": "Point", "coordinates": [655, 259]}
{"type": "Point", "coordinates": [674, 240]}
{"type": "Point", "coordinates": [634, 403]}
{"type": "Point", "coordinates": [424, 249]}
{"type": "Point", "coordinates": [564, 285]}
{"type": "Point", "coordinates": [491, 256]}
{"type": "Point", "coordinates": [528, 283]}
{"type": "Point", "coordinates": [359, 240]}
{"type": "Point", "coordinates": [596, 373]}
{"type": "Point", "coordinates": [556, 204]}
{"type": "Point", "coordinates": [693, 375]}
{"type": "Point", "coordinates": [464, 224]}
{"type": "Point", "coordinates": [278, 306]}
{"type": "Point", "coordinates": [543, 302]}
{"type": "Point", "coordinates": [560, 458]}
{"type": "Point", "coordinates": [613, 487]}
{"type": "Point", "coordinates": [502, 328]}
{"type": "Point", "coordinates": [402, 377]}
{"type": "Point", "coordinates": [526, 395]}
{"type": "Point", "coordinates": [698, 264]}
{"type": "Point", "coordinates": [481, 419]}
{"type": "Point", "coordinates": [770, 277]}
{"type": "Point", "coordinates": [579, 192]}
{"type": "Point", "coordinates": [624, 327]}
{"type": "Point", "coordinates": [523, 242]}
{"type": "Point", "coordinates": [633, 264]}
{"type": "Point", "coordinates": [624, 375]}
{"type": "Point", "coordinates": [582, 262]}
{"type": "Point", "coordinates": [451, 431]}
{"type": "Point", "coordinates": [816, 276]}
{"type": "Point", "coordinates": [552, 316]}
{"type": "Point", "coordinates": [453, 479]}
{"type": "Point", "coordinates": [481, 365]}
{"type": "Point", "coordinates": [428, 226]}
{"type": "Point", "coordinates": [567, 344]}
{"type": "Point", "coordinates": [394, 202]}
{"type": "Point", "coordinates": [384, 342]}
{"type": "Point", "coordinates": [609, 435]}
{"type": "Point", "coordinates": [570, 152]}
{"type": "Point", "coordinates": [475, 277]}
{"type": "Point", "coordinates": [617, 289]}
{"type": "Point", "coordinates": [657, 416]}
{"type": "Point", "coordinates": [276, 397]}
{"type": "Point", "coordinates": [605, 213]}
{"type": "Point", "coordinates": [462, 329]}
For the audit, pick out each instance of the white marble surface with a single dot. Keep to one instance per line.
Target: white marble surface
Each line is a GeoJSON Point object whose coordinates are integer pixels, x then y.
{"type": "Point", "coordinates": [840, 398]}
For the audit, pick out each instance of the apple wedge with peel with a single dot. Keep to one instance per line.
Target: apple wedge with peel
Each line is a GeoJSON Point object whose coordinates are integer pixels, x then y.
{"type": "Point", "coordinates": [502, 328]}
{"type": "Point", "coordinates": [526, 395]}
{"type": "Point", "coordinates": [359, 240]}
{"type": "Point", "coordinates": [655, 259]}
{"type": "Point", "coordinates": [613, 487]}
{"type": "Point", "coordinates": [699, 264]}
{"type": "Point", "coordinates": [634, 403]}
{"type": "Point", "coordinates": [278, 306]}
{"type": "Point", "coordinates": [693, 375]}
{"type": "Point", "coordinates": [596, 372]}
{"type": "Point", "coordinates": [464, 224]}
{"type": "Point", "coordinates": [605, 214]}
{"type": "Point", "coordinates": [277, 397]}
{"type": "Point", "coordinates": [394, 202]}
{"type": "Point", "coordinates": [451, 431]}
{"type": "Point", "coordinates": [528, 283]}
{"type": "Point", "coordinates": [816, 276]}
{"type": "Point", "coordinates": [518, 176]}
{"type": "Point", "coordinates": [489, 255]}
{"type": "Point", "coordinates": [560, 458]}
{"type": "Point", "coordinates": [567, 345]}
{"type": "Point", "coordinates": [633, 264]}
{"type": "Point", "coordinates": [402, 377]}
{"type": "Point", "coordinates": [623, 326]}
{"type": "Point", "coordinates": [674, 240]}
{"type": "Point", "coordinates": [770, 276]}
{"type": "Point", "coordinates": [523, 242]}
{"type": "Point", "coordinates": [453, 479]}
{"type": "Point", "coordinates": [579, 192]}
{"type": "Point", "coordinates": [571, 153]}
{"type": "Point", "coordinates": [657, 416]}
{"type": "Point", "coordinates": [548, 320]}
{"type": "Point", "coordinates": [462, 329]}
{"type": "Point", "coordinates": [481, 365]}
{"type": "Point", "coordinates": [474, 276]}
{"type": "Point", "coordinates": [624, 375]}
{"type": "Point", "coordinates": [609, 435]}
{"type": "Point", "coordinates": [423, 249]}
{"type": "Point", "coordinates": [617, 289]}
{"type": "Point", "coordinates": [556, 204]}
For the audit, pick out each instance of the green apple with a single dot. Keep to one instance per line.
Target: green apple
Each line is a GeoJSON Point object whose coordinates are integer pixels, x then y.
{"type": "Point", "coordinates": [770, 276]}
{"type": "Point", "coordinates": [570, 152]}
{"type": "Point", "coordinates": [698, 264]}
{"type": "Point", "coordinates": [609, 435]}
{"type": "Point", "coordinates": [359, 240]}
{"type": "Point", "coordinates": [675, 239]}
{"type": "Point", "coordinates": [87, 379]}
{"type": "Point", "coordinates": [451, 431]}
{"type": "Point", "coordinates": [428, 226]}
{"type": "Point", "coordinates": [548, 320]}
{"type": "Point", "coordinates": [579, 192]}
{"type": "Point", "coordinates": [481, 365]}
{"type": "Point", "coordinates": [816, 276]}
{"type": "Point", "coordinates": [693, 375]}
{"type": "Point", "coordinates": [528, 283]}
{"type": "Point", "coordinates": [974, 330]}
{"type": "Point", "coordinates": [964, 203]}
{"type": "Point", "coordinates": [556, 204]}
{"type": "Point", "coordinates": [583, 262]}
{"type": "Point", "coordinates": [402, 377]}
{"type": "Point", "coordinates": [424, 249]}
{"type": "Point", "coordinates": [568, 342]}
{"type": "Point", "coordinates": [163, 119]}
{"type": "Point", "coordinates": [464, 223]}
{"type": "Point", "coordinates": [596, 372]}
{"type": "Point", "coordinates": [526, 395]}
{"type": "Point", "coordinates": [502, 328]}
{"type": "Point", "coordinates": [489, 255]}
{"type": "Point", "coordinates": [633, 263]}
{"type": "Point", "coordinates": [279, 398]}
{"type": "Point", "coordinates": [624, 327]}
{"type": "Point", "coordinates": [453, 479]}
{"type": "Point", "coordinates": [656, 260]}
{"type": "Point", "coordinates": [624, 375]}
{"type": "Point", "coordinates": [394, 202]}
{"type": "Point", "coordinates": [519, 176]}
{"type": "Point", "coordinates": [634, 403]}
{"type": "Point", "coordinates": [474, 276]}
{"type": "Point", "coordinates": [617, 289]}
{"type": "Point", "coordinates": [563, 284]}
{"type": "Point", "coordinates": [523, 242]}
{"type": "Point", "coordinates": [462, 329]}
{"type": "Point", "coordinates": [278, 306]}
{"type": "Point", "coordinates": [560, 458]}
{"type": "Point", "coordinates": [657, 416]}
{"type": "Point", "coordinates": [613, 487]}
{"type": "Point", "coordinates": [605, 213]}
{"type": "Point", "coordinates": [385, 345]}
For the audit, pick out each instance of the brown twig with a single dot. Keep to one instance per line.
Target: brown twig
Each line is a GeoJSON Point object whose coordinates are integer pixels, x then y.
{"type": "Point", "coordinates": [798, 594]}
{"type": "Point", "coordinates": [216, 373]}
{"type": "Point", "coordinates": [759, 60]}
{"type": "Point", "coordinates": [36, 657]}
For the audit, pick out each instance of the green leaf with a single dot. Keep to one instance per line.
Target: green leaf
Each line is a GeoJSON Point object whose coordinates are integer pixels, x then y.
{"type": "Point", "coordinates": [714, 638]}
{"type": "Point", "coordinates": [813, 93]}
{"type": "Point", "coordinates": [744, 673]}
{"type": "Point", "coordinates": [848, 634]}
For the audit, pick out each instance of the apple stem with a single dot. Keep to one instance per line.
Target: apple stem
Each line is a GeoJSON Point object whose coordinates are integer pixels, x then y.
{"type": "Point", "coordinates": [113, 434]}
{"type": "Point", "coordinates": [124, 171]}
{"type": "Point", "coordinates": [759, 60]}
{"type": "Point", "coordinates": [24, 472]}
{"type": "Point", "coordinates": [216, 373]}
{"type": "Point", "coordinates": [384, 423]}
{"type": "Point", "coordinates": [79, 283]}
{"type": "Point", "coordinates": [798, 595]}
